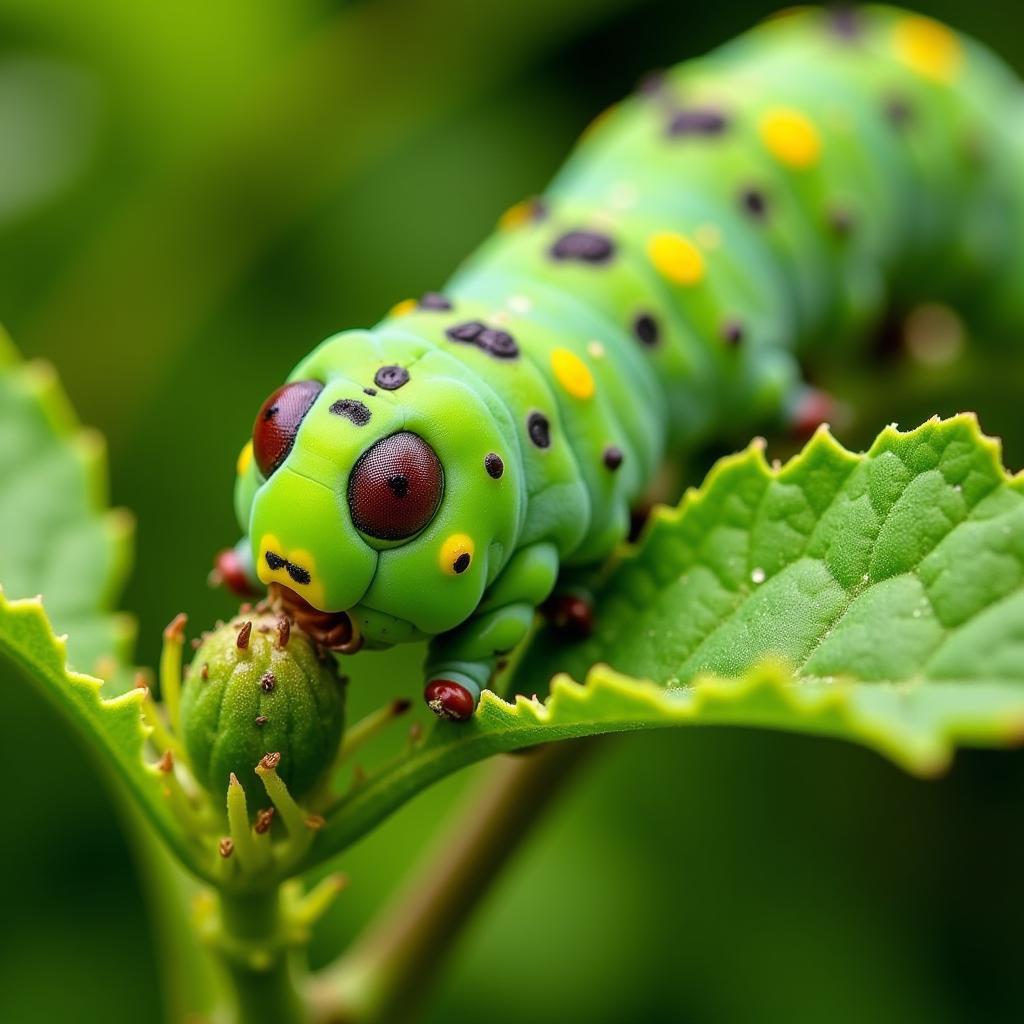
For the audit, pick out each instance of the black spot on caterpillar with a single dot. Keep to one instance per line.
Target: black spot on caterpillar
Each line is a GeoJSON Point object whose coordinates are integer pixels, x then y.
{"type": "Point", "coordinates": [697, 121]}
{"type": "Point", "coordinates": [584, 247]}
{"type": "Point", "coordinates": [497, 343]}
{"type": "Point", "coordinates": [391, 378]}
{"type": "Point", "coordinates": [352, 410]}
{"type": "Point", "coordinates": [539, 429]}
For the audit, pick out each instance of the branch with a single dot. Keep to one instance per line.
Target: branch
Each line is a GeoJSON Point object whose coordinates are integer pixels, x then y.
{"type": "Point", "coordinates": [388, 971]}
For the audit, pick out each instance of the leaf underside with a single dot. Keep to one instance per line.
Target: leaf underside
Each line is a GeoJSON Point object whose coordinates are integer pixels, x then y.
{"type": "Point", "coordinates": [874, 597]}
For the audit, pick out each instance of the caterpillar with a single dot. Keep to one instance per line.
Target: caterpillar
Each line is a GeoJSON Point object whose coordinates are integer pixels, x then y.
{"type": "Point", "coordinates": [435, 477]}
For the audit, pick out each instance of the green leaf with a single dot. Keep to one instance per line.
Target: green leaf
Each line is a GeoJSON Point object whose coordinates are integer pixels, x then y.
{"type": "Point", "coordinates": [113, 725]}
{"type": "Point", "coordinates": [63, 543]}
{"type": "Point", "coordinates": [877, 598]}
{"type": "Point", "coordinates": [60, 538]}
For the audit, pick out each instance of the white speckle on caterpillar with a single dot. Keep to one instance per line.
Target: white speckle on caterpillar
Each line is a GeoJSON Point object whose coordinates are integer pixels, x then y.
{"type": "Point", "coordinates": [519, 304]}
{"type": "Point", "coordinates": [758, 575]}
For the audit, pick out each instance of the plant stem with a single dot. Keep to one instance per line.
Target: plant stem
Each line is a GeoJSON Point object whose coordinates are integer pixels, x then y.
{"type": "Point", "coordinates": [192, 987]}
{"type": "Point", "coordinates": [256, 955]}
{"type": "Point", "coordinates": [390, 968]}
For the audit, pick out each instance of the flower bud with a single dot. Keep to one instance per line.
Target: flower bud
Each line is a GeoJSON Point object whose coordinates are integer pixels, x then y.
{"type": "Point", "coordinates": [259, 685]}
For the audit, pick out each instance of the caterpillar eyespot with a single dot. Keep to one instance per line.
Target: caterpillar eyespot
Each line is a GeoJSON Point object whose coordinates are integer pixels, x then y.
{"type": "Point", "coordinates": [278, 421]}
{"type": "Point", "coordinates": [708, 232]}
{"type": "Point", "coordinates": [395, 487]}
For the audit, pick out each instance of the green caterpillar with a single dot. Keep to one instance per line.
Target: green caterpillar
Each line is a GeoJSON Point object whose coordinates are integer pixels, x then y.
{"type": "Point", "coordinates": [436, 476]}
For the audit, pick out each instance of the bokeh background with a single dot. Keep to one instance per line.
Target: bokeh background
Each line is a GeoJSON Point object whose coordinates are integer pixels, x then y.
{"type": "Point", "coordinates": [191, 195]}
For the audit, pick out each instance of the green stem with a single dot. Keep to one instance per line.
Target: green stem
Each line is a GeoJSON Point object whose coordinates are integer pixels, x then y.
{"type": "Point", "coordinates": [391, 967]}
{"type": "Point", "coordinates": [256, 954]}
{"type": "Point", "coordinates": [191, 985]}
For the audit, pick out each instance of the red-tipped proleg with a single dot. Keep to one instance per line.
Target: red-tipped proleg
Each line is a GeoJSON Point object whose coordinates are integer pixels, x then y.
{"type": "Point", "coordinates": [449, 700]}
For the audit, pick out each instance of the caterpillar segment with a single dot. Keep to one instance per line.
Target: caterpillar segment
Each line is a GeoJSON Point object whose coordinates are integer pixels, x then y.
{"type": "Point", "coordinates": [434, 477]}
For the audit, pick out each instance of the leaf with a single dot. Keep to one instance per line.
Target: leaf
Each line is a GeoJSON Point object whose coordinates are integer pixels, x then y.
{"type": "Point", "coordinates": [113, 725]}
{"type": "Point", "coordinates": [877, 598]}
{"type": "Point", "coordinates": [59, 538]}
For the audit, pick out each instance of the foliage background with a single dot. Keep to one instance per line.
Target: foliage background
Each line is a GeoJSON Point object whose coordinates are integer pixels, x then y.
{"type": "Point", "coordinates": [193, 194]}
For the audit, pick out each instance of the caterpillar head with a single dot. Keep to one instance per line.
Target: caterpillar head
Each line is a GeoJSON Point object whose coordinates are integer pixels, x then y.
{"type": "Point", "coordinates": [379, 483]}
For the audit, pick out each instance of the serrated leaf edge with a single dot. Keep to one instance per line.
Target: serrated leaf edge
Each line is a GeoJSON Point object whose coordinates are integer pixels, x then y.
{"type": "Point", "coordinates": [49, 670]}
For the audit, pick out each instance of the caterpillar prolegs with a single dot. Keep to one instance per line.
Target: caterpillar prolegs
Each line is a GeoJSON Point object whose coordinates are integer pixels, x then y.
{"type": "Point", "coordinates": [432, 477]}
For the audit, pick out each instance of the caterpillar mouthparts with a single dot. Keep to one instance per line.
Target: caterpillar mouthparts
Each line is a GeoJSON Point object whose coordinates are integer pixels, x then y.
{"type": "Point", "coordinates": [335, 631]}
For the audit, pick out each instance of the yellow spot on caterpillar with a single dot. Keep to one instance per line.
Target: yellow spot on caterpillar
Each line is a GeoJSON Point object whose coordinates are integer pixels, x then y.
{"type": "Point", "coordinates": [708, 236]}
{"type": "Point", "coordinates": [790, 137]}
{"type": "Point", "coordinates": [675, 258]}
{"type": "Point", "coordinates": [927, 46]}
{"type": "Point", "coordinates": [403, 307]}
{"type": "Point", "coordinates": [456, 554]}
{"type": "Point", "coordinates": [244, 459]}
{"type": "Point", "coordinates": [518, 215]}
{"type": "Point", "coordinates": [572, 373]}
{"type": "Point", "coordinates": [313, 591]}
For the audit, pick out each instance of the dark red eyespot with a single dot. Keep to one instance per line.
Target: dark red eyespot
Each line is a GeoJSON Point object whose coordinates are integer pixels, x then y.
{"type": "Point", "coordinates": [277, 423]}
{"type": "Point", "coordinates": [395, 487]}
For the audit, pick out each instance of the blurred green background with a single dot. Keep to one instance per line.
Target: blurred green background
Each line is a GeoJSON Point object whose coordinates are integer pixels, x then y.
{"type": "Point", "coordinates": [192, 195]}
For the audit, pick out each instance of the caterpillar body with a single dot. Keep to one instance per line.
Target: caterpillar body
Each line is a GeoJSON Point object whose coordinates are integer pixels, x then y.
{"type": "Point", "coordinates": [432, 477]}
